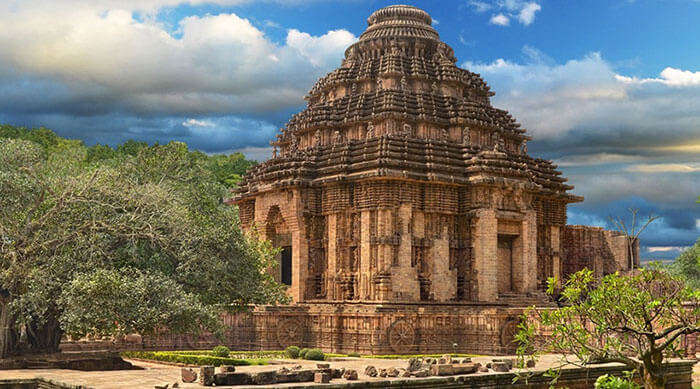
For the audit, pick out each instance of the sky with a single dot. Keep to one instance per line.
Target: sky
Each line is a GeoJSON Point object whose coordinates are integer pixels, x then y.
{"type": "Point", "coordinates": [609, 89]}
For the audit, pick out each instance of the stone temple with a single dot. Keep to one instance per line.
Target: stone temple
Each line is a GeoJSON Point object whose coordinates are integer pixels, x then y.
{"type": "Point", "coordinates": [410, 216]}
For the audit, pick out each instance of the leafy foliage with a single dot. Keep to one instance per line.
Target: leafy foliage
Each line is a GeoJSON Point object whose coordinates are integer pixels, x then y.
{"type": "Point", "coordinates": [315, 354]}
{"type": "Point", "coordinates": [292, 352]}
{"type": "Point", "coordinates": [221, 351]}
{"type": "Point", "coordinates": [687, 265]}
{"type": "Point", "coordinates": [637, 320]}
{"type": "Point", "coordinates": [112, 242]}
{"type": "Point", "coordinates": [611, 382]}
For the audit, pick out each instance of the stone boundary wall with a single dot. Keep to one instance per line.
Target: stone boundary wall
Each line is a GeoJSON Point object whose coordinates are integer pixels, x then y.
{"type": "Point", "coordinates": [362, 328]}
{"type": "Point", "coordinates": [600, 250]}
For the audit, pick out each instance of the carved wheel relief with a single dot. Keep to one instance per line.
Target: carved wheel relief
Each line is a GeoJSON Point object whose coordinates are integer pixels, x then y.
{"type": "Point", "coordinates": [508, 331]}
{"type": "Point", "coordinates": [402, 336]}
{"type": "Point", "coordinates": [290, 332]}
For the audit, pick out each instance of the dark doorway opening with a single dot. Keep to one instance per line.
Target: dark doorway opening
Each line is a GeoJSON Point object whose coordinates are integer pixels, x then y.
{"type": "Point", "coordinates": [287, 265]}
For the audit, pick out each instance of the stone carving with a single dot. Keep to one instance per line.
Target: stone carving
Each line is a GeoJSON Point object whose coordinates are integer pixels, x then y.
{"type": "Point", "coordinates": [508, 331]}
{"type": "Point", "coordinates": [434, 87]}
{"type": "Point", "coordinates": [317, 138]}
{"type": "Point", "coordinates": [404, 83]}
{"type": "Point", "coordinates": [370, 131]}
{"type": "Point", "coordinates": [466, 136]}
{"type": "Point", "coordinates": [337, 138]}
{"type": "Point", "coordinates": [443, 135]}
{"type": "Point", "coordinates": [402, 336]}
{"type": "Point", "coordinates": [380, 84]}
{"type": "Point", "coordinates": [407, 130]}
{"type": "Point", "coordinates": [290, 332]}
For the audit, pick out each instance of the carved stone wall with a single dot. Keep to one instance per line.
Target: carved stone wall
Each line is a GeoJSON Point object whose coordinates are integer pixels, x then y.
{"type": "Point", "coordinates": [602, 251]}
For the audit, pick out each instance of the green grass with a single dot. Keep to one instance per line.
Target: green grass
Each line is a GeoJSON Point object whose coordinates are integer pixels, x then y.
{"type": "Point", "coordinates": [191, 358]}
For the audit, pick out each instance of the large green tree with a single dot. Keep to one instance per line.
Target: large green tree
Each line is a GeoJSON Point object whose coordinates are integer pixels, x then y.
{"type": "Point", "coordinates": [687, 265]}
{"type": "Point", "coordinates": [636, 320]}
{"type": "Point", "coordinates": [108, 242]}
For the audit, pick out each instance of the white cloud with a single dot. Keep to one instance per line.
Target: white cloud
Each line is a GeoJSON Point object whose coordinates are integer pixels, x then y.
{"type": "Point", "coordinates": [527, 14]}
{"type": "Point", "coordinates": [666, 248]}
{"type": "Point", "coordinates": [665, 167]}
{"type": "Point", "coordinates": [197, 123]}
{"type": "Point", "coordinates": [669, 76]}
{"type": "Point", "coordinates": [523, 11]}
{"type": "Point", "coordinates": [216, 63]}
{"type": "Point", "coordinates": [500, 20]}
{"type": "Point", "coordinates": [480, 6]}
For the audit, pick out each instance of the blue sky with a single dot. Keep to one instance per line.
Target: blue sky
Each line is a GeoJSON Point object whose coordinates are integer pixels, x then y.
{"type": "Point", "coordinates": [609, 89]}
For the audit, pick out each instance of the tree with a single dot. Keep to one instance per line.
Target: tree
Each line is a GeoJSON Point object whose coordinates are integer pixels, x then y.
{"type": "Point", "coordinates": [109, 246]}
{"type": "Point", "coordinates": [636, 320]}
{"type": "Point", "coordinates": [687, 265]}
{"type": "Point", "coordinates": [632, 231]}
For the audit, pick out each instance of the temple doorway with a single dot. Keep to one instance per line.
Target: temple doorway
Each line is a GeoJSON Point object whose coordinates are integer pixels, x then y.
{"type": "Point", "coordinates": [505, 263]}
{"type": "Point", "coordinates": [286, 265]}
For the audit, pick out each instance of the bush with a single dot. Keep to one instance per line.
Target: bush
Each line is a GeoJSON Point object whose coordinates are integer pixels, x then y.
{"type": "Point", "coordinates": [221, 351]}
{"type": "Point", "coordinates": [612, 382]}
{"type": "Point", "coordinates": [292, 352]}
{"type": "Point", "coordinates": [315, 355]}
{"type": "Point", "coordinates": [356, 355]}
{"type": "Point", "coordinates": [302, 353]}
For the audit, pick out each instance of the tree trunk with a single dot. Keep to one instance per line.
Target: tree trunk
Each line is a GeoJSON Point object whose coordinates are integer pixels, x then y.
{"type": "Point", "coordinates": [9, 339]}
{"type": "Point", "coordinates": [654, 373]}
{"type": "Point", "coordinates": [652, 381]}
{"type": "Point", "coordinates": [45, 338]}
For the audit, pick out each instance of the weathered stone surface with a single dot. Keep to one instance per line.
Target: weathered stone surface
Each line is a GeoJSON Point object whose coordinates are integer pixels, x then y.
{"type": "Point", "coordinates": [421, 373]}
{"type": "Point", "coordinates": [441, 369]}
{"type": "Point", "coordinates": [299, 375]}
{"type": "Point", "coordinates": [447, 358]}
{"type": "Point", "coordinates": [206, 375]}
{"type": "Point", "coordinates": [415, 364]}
{"type": "Point", "coordinates": [530, 363]}
{"type": "Point", "coordinates": [323, 365]}
{"type": "Point", "coordinates": [350, 375]}
{"type": "Point", "coordinates": [392, 372]}
{"type": "Point", "coordinates": [227, 369]}
{"type": "Point", "coordinates": [465, 368]}
{"type": "Point", "coordinates": [225, 379]}
{"type": "Point", "coordinates": [371, 371]}
{"type": "Point", "coordinates": [264, 377]}
{"type": "Point", "coordinates": [483, 369]}
{"type": "Point", "coordinates": [337, 373]}
{"type": "Point", "coordinates": [188, 375]}
{"type": "Point", "coordinates": [322, 378]}
{"type": "Point", "coordinates": [500, 367]}
{"type": "Point", "coordinates": [404, 373]}
{"type": "Point", "coordinates": [382, 373]}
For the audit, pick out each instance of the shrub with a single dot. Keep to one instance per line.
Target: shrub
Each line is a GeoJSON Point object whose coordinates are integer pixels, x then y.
{"type": "Point", "coordinates": [221, 351]}
{"type": "Point", "coordinates": [292, 352]}
{"type": "Point", "coordinates": [302, 352]}
{"type": "Point", "coordinates": [356, 355]}
{"type": "Point", "coordinates": [315, 355]}
{"type": "Point", "coordinates": [612, 382]}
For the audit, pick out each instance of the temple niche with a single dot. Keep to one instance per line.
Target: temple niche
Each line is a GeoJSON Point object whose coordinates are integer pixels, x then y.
{"type": "Point", "coordinates": [401, 184]}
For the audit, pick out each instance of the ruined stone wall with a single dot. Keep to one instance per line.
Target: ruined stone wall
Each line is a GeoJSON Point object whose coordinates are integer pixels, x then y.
{"type": "Point", "coordinates": [602, 251]}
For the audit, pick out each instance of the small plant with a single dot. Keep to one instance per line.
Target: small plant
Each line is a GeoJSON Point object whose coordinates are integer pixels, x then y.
{"type": "Point", "coordinates": [302, 353]}
{"type": "Point", "coordinates": [611, 382]}
{"type": "Point", "coordinates": [354, 354]}
{"type": "Point", "coordinates": [221, 351]}
{"type": "Point", "coordinates": [292, 352]}
{"type": "Point", "coordinates": [315, 354]}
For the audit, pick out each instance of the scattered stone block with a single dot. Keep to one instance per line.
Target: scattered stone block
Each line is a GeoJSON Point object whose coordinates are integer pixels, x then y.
{"type": "Point", "coordinates": [206, 375]}
{"type": "Point", "coordinates": [322, 378]}
{"type": "Point", "coordinates": [175, 385]}
{"type": "Point", "coordinates": [392, 372]}
{"type": "Point", "coordinates": [404, 373]}
{"type": "Point", "coordinates": [162, 386]}
{"type": "Point", "coordinates": [296, 367]}
{"type": "Point", "coordinates": [442, 369]}
{"type": "Point", "coordinates": [509, 361]}
{"type": "Point", "coordinates": [382, 372]}
{"type": "Point", "coordinates": [421, 373]}
{"type": "Point", "coordinates": [447, 358]}
{"type": "Point", "coordinates": [371, 371]}
{"type": "Point", "coordinates": [464, 368]}
{"type": "Point", "coordinates": [500, 367]}
{"type": "Point", "coordinates": [414, 364]}
{"type": "Point", "coordinates": [337, 373]}
{"type": "Point", "coordinates": [283, 370]}
{"type": "Point", "coordinates": [323, 365]}
{"type": "Point", "coordinates": [299, 376]}
{"type": "Point", "coordinates": [530, 363]}
{"type": "Point", "coordinates": [264, 378]}
{"type": "Point", "coordinates": [188, 375]}
{"type": "Point", "coordinates": [483, 369]}
{"type": "Point", "coordinates": [350, 375]}
{"type": "Point", "coordinates": [227, 369]}
{"type": "Point", "coordinates": [441, 361]}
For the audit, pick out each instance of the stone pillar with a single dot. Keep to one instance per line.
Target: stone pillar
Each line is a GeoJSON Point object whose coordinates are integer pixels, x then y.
{"type": "Point", "coordinates": [485, 254]}
{"type": "Point", "coordinates": [300, 254]}
{"type": "Point", "coordinates": [404, 277]}
{"type": "Point", "coordinates": [365, 269]}
{"type": "Point", "coordinates": [444, 282]}
{"type": "Point", "coordinates": [556, 250]}
{"type": "Point", "coordinates": [331, 286]}
{"type": "Point", "coordinates": [526, 266]}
